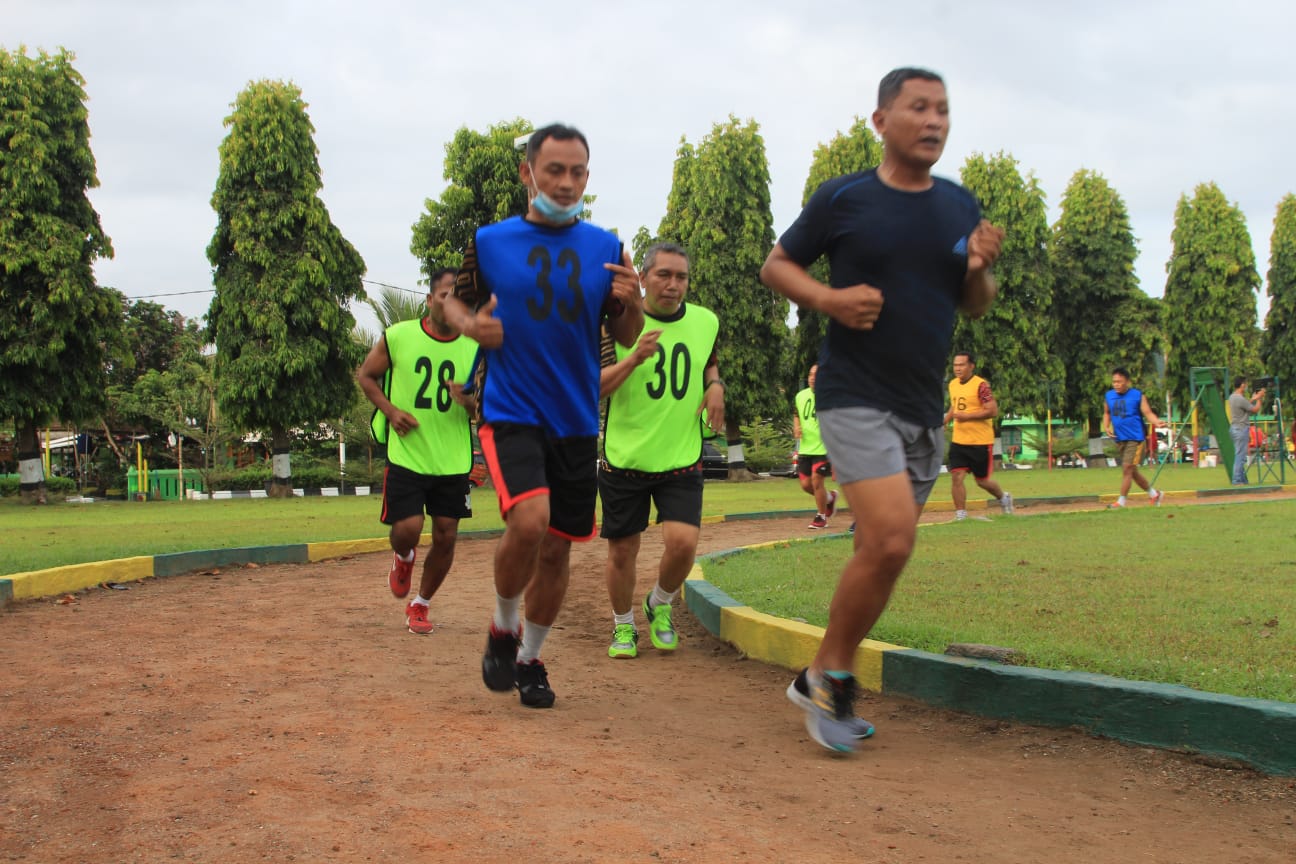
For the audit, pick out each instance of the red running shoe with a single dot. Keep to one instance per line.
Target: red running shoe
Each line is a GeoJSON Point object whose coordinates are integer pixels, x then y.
{"type": "Point", "coordinates": [832, 504]}
{"type": "Point", "coordinates": [399, 577]}
{"type": "Point", "coordinates": [416, 619]}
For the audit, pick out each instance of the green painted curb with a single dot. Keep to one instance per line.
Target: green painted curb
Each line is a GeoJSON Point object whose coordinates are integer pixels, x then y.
{"type": "Point", "coordinates": [1236, 490]}
{"type": "Point", "coordinates": [1259, 732]}
{"type": "Point", "coordinates": [705, 601]}
{"type": "Point", "coordinates": [175, 563]}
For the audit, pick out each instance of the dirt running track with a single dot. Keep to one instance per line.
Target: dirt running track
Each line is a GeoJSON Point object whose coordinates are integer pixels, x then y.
{"type": "Point", "coordinates": [283, 713]}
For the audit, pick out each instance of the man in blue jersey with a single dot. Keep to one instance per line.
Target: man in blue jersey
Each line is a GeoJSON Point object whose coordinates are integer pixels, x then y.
{"type": "Point", "coordinates": [1124, 408]}
{"type": "Point", "coordinates": [534, 292]}
{"type": "Point", "coordinates": [906, 251]}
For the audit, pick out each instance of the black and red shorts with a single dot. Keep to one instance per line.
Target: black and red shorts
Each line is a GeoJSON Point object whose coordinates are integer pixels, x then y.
{"type": "Point", "coordinates": [977, 458]}
{"type": "Point", "coordinates": [525, 461]}
{"type": "Point", "coordinates": [807, 465]}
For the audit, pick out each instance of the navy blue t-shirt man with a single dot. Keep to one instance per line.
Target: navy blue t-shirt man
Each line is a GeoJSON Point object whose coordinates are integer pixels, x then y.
{"type": "Point", "coordinates": [907, 250]}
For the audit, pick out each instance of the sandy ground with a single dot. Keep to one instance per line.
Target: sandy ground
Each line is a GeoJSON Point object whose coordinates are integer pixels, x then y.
{"type": "Point", "coordinates": [283, 713]}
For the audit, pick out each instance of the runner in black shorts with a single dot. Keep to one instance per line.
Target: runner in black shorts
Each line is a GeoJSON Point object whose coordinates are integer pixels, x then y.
{"type": "Point", "coordinates": [430, 456]}
{"type": "Point", "coordinates": [813, 466]}
{"type": "Point", "coordinates": [657, 390]}
{"type": "Point", "coordinates": [534, 291]}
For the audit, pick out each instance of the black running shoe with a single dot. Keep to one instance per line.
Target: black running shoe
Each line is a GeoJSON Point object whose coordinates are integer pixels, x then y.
{"type": "Point", "coordinates": [500, 660]}
{"type": "Point", "coordinates": [533, 685]}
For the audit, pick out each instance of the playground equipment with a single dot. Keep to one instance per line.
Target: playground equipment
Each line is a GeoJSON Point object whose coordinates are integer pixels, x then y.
{"type": "Point", "coordinates": [1209, 384]}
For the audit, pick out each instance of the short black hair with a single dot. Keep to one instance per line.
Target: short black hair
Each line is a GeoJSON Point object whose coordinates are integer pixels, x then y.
{"type": "Point", "coordinates": [556, 131]}
{"type": "Point", "coordinates": [968, 354]}
{"type": "Point", "coordinates": [1122, 371]}
{"type": "Point", "coordinates": [435, 276]}
{"type": "Point", "coordinates": [889, 88]}
{"type": "Point", "coordinates": [651, 253]}
{"type": "Point", "coordinates": [1238, 381]}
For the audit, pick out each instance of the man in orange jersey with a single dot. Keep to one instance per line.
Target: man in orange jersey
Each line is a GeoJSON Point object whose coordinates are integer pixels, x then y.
{"type": "Point", "coordinates": [973, 408]}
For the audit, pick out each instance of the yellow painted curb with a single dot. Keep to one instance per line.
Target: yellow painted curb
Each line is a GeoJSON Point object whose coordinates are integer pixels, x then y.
{"type": "Point", "coordinates": [338, 548]}
{"type": "Point", "coordinates": [713, 520]}
{"type": "Point", "coordinates": [75, 577]}
{"type": "Point", "coordinates": [791, 644]}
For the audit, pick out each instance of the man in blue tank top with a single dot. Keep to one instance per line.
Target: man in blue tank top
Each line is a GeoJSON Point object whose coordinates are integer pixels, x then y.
{"type": "Point", "coordinates": [534, 292]}
{"type": "Point", "coordinates": [906, 252]}
{"type": "Point", "coordinates": [1124, 409]}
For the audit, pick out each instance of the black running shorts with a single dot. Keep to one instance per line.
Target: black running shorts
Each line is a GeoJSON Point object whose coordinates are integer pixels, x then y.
{"type": "Point", "coordinates": [626, 496]}
{"type": "Point", "coordinates": [971, 457]}
{"type": "Point", "coordinates": [524, 462]}
{"type": "Point", "coordinates": [407, 493]}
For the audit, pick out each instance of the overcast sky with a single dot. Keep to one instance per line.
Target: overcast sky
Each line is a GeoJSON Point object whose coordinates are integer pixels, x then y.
{"type": "Point", "coordinates": [1156, 96]}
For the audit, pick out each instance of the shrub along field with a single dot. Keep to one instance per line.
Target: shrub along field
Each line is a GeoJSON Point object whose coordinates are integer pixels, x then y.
{"type": "Point", "coordinates": [1200, 596]}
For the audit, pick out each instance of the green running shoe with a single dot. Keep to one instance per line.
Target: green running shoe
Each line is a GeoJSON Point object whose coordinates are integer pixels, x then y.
{"type": "Point", "coordinates": [625, 642]}
{"type": "Point", "coordinates": [660, 628]}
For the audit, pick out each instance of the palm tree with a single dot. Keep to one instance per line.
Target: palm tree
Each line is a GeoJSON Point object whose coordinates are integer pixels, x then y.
{"type": "Point", "coordinates": [397, 304]}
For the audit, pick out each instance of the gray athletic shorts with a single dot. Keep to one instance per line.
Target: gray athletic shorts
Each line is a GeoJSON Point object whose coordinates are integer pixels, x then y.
{"type": "Point", "coordinates": [867, 443]}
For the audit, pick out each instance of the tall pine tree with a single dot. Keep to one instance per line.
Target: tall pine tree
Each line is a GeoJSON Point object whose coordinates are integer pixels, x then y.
{"type": "Point", "coordinates": [1279, 345]}
{"type": "Point", "coordinates": [1013, 342]}
{"type": "Point", "coordinates": [1210, 295]}
{"type": "Point", "coordinates": [56, 324]}
{"type": "Point", "coordinates": [284, 276]}
{"type": "Point", "coordinates": [719, 210]}
{"type": "Point", "coordinates": [1102, 318]}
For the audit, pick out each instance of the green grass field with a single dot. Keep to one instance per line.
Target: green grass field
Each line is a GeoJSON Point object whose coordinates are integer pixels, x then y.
{"type": "Point", "coordinates": [1202, 596]}
{"type": "Point", "coordinates": [34, 538]}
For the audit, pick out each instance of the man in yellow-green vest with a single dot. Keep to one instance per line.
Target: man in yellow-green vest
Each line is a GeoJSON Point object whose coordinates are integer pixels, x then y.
{"type": "Point", "coordinates": [414, 376]}
{"type": "Point", "coordinates": [661, 392]}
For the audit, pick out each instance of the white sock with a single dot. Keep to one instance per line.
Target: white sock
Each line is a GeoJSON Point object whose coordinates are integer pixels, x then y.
{"type": "Point", "coordinates": [662, 598]}
{"type": "Point", "coordinates": [960, 514]}
{"type": "Point", "coordinates": [533, 637]}
{"type": "Point", "coordinates": [407, 557]}
{"type": "Point", "coordinates": [1152, 493]}
{"type": "Point", "coordinates": [1121, 500]}
{"type": "Point", "coordinates": [624, 618]}
{"type": "Point", "coordinates": [420, 601]}
{"type": "Point", "coordinates": [506, 618]}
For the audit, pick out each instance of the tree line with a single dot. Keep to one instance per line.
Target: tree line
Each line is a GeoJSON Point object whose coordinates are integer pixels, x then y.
{"type": "Point", "coordinates": [286, 344]}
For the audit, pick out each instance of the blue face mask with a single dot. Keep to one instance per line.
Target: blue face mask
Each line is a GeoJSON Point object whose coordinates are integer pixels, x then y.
{"type": "Point", "coordinates": [555, 212]}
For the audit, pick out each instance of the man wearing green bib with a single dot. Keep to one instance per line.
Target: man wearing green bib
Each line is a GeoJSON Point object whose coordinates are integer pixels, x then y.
{"type": "Point", "coordinates": [812, 457]}
{"type": "Point", "coordinates": [414, 376]}
{"type": "Point", "coordinates": [657, 391]}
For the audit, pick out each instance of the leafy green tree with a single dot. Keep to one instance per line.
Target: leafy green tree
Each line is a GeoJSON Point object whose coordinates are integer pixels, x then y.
{"type": "Point", "coordinates": [1096, 293]}
{"type": "Point", "coordinates": [856, 150]}
{"type": "Point", "coordinates": [1280, 324]}
{"type": "Point", "coordinates": [719, 210]}
{"type": "Point", "coordinates": [56, 324]}
{"type": "Point", "coordinates": [1013, 342]}
{"type": "Point", "coordinates": [482, 171]}
{"type": "Point", "coordinates": [284, 275]}
{"type": "Point", "coordinates": [1210, 295]}
{"type": "Point", "coordinates": [179, 400]}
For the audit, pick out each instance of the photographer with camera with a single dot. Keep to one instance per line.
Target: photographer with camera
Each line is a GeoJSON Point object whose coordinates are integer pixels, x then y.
{"type": "Point", "coordinates": [1240, 410]}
